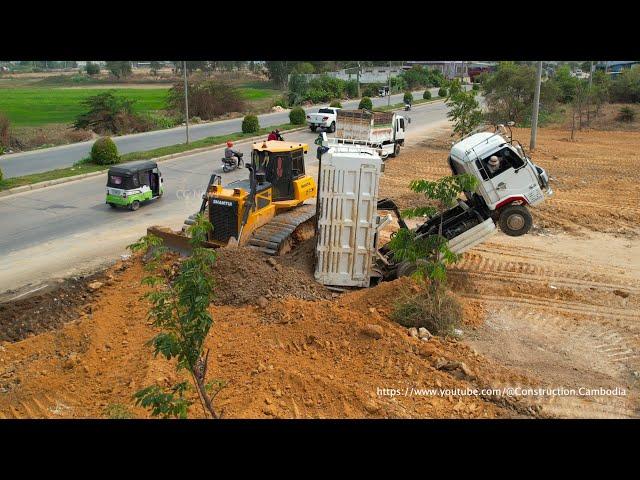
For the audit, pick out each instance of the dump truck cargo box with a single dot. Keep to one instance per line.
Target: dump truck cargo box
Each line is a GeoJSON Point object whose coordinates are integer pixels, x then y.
{"type": "Point", "coordinates": [347, 216]}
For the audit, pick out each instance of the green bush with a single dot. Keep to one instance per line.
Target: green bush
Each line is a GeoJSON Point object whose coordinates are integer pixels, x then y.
{"type": "Point", "coordinates": [250, 124]}
{"type": "Point", "coordinates": [426, 95]}
{"type": "Point", "coordinates": [1, 174]}
{"type": "Point", "coordinates": [476, 86]}
{"type": "Point", "coordinates": [335, 104]}
{"type": "Point", "coordinates": [408, 97]}
{"type": "Point", "coordinates": [92, 68]}
{"type": "Point", "coordinates": [297, 116]}
{"type": "Point", "coordinates": [434, 309]}
{"type": "Point", "coordinates": [317, 95]}
{"type": "Point", "coordinates": [442, 92]}
{"type": "Point", "coordinates": [365, 104]}
{"type": "Point", "coordinates": [626, 114]}
{"type": "Point", "coordinates": [104, 152]}
{"type": "Point", "coordinates": [351, 89]}
{"type": "Point", "coordinates": [281, 102]}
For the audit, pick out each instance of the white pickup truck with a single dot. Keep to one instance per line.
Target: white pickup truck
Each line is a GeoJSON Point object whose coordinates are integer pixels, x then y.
{"type": "Point", "coordinates": [325, 118]}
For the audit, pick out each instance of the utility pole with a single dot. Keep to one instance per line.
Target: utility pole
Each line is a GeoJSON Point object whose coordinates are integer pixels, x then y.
{"type": "Point", "coordinates": [536, 107]}
{"type": "Point", "coordinates": [589, 92]}
{"type": "Point", "coordinates": [186, 98]}
{"type": "Point", "coordinates": [389, 85]}
{"type": "Point", "coordinates": [358, 77]}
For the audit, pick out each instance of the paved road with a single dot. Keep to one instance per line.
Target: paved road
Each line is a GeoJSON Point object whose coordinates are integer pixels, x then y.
{"type": "Point", "coordinates": [68, 229]}
{"type": "Point", "coordinates": [18, 164]}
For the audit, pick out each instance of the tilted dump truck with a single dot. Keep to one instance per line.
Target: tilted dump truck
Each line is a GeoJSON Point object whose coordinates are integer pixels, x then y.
{"type": "Point", "coordinates": [384, 131]}
{"type": "Point", "coordinates": [347, 252]}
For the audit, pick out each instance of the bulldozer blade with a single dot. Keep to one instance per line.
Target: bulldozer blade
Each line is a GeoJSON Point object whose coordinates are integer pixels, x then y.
{"type": "Point", "coordinates": [175, 241]}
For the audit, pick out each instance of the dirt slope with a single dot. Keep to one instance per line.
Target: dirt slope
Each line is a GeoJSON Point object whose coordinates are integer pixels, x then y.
{"type": "Point", "coordinates": [292, 359]}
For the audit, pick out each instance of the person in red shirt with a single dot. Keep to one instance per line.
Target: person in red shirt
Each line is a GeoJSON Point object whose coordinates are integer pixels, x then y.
{"type": "Point", "coordinates": [272, 136]}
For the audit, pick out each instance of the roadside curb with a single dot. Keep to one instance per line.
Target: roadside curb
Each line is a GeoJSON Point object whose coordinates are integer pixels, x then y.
{"type": "Point", "coordinates": [58, 181]}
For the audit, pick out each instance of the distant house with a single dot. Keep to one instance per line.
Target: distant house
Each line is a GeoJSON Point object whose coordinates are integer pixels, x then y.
{"type": "Point", "coordinates": [615, 67]}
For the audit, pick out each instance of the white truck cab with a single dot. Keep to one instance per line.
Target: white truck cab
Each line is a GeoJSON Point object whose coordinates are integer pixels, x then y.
{"type": "Point", "coordinates": [515, 179]}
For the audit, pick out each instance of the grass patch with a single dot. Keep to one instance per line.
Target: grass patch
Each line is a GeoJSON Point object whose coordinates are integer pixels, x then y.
{"type": "Point", "coordinates": [433, 308]}
{"type": "Point", "coordinates": [40, 106]}
{"type": "Point", "coordinates": [86, 166]}
{"type": "Point", "coordinates": [77, 169]}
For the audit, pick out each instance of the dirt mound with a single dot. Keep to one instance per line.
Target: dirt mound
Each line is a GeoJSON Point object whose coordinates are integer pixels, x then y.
{"type": "Point", "coordinates": [270, 277]}
{"type": "Point", "coordinates": [292, 359]}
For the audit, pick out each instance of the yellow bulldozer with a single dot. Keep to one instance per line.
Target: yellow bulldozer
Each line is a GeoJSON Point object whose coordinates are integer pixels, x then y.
{"type": "Point", "coordinates": [265, 211]}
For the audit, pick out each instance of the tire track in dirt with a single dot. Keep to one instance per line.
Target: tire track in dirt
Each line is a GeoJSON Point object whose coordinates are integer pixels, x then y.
{"type": "Point", "coordinates": [599, 354]}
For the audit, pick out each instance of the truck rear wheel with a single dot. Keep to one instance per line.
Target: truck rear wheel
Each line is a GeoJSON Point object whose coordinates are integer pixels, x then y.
{"type": "Point", "coordinates": [332, 128]}
{"type": "Point", "coordinates": [396, 150]}
{"type": "Point", "coordinates": [515, 220]}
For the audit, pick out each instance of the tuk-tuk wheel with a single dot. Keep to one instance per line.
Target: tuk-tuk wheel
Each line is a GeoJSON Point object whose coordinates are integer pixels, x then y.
{"type": "Point", "coordinates": [134, 205]}
{"type": "Point", "coordinates": [113, 205]}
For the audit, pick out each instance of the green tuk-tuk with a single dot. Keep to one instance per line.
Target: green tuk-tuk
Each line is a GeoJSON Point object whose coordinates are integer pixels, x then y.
{"type": "Point", "coordinates": [131, 184]}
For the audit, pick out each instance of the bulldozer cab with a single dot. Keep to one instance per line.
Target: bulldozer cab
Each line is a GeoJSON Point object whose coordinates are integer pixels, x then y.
{"type": "Point", "coordinates": [282, 163]}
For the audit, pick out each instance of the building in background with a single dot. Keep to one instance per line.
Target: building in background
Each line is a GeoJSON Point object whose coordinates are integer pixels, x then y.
{"type": "Point", "coordinates": [615, 67]}
{"type": "Point", "coordinates": [367, 74]}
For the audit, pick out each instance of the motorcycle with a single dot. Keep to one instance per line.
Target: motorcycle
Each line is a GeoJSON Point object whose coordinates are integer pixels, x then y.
{"type": "Point", "coordinates": [407, 107]}
{"type": "Point", "coordinates": [230, 164]}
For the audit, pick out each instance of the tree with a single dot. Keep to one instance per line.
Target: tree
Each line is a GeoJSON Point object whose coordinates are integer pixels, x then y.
{"type": "Point", "coordinates": [119, 69]}
{"type": "Point", "coordinates": [180, 310]}
{"type": "Point", "coordinates": [509, 93]}
{"type": "Point", "coordinates": [5, 131]}
{"type": "Point", "coordinates": [600, 89]}
{"type": "Point", "coordinates": [154, 67]}
{"type": "Point", "coordinates": [626, 86]}
{"type": "Point", "coordinates": [103, 112]}
{"type": "Point", "coordinates": [577, 103]}
{"type": "Point", "coordinates": [298, 86]}
{"type": "Point", "coordinates": [208, 99]}
{"type": "Point", "coordinates": [566, 84]}
{"type": "Point", "coordinates": [464, 110]}
{"type": "Point", "coordinates": [278, 72]}
{"type": "Point", "coordinates": [431, 253]}
{"type": "Point", "coordinates": [92, 68]}
{"type": "Point", "coordinates": [304, 68]}
{"type": "Point", "coordinates": [429, 256]}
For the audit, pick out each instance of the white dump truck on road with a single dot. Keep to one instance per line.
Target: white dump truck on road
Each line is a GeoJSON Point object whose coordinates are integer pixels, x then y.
{"type": "Point", "coordinates": [383, 131]}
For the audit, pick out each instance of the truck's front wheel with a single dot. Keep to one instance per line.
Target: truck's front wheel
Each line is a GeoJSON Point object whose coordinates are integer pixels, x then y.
{"type": "Point", "coordinates": [515, 220]}
{"type": "Point", "coordinates": [313, 129]}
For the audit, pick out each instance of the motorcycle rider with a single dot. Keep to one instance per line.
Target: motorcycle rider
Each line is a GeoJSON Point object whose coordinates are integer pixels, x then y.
{"type": "Point", "coordinates": [272, 136]}
{"type": "Point", "coordinates": [229, 153]}
{"type": "Point", "coordinates": [278, 135]}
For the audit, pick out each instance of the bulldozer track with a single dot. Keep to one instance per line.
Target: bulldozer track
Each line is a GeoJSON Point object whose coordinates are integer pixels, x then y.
{"type": "Point", "coordinates": [272, 237]}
